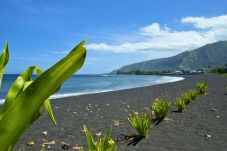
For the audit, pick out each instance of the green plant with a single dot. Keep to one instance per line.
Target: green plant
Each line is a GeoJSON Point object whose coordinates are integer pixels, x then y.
{"type": "Point", "coordinates": [160, 108]}
{"type": "Point", "coordinates": [186, 97]}
{"type": "Point", "coordinates": [103, 144]}
{"type": "Point", "coordinates": [26, 98]}
{"type": "Point", "coordinates": [202, 87]}
{"type": "Point", "coordinates": [4, 58]}
{"type": "Point", "coordinates": [193, 94]}
{"type": "Point", "coordinates": [141, 123]}
{"type": "Point", "coordinates": [180, 104]}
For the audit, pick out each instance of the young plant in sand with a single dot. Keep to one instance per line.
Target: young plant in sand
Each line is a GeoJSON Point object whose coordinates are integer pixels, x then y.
{"type": "Point", "coordinates": [160, 108]}
{"type": "Point", "coordinates": [202, 87]}
{"type": "Point", "coordinates": [186, 97]}
{"type": "Point", "coordinates": [180, 104]}
{"type": "Point", "coordinates": [26, 98]}
{"type": "Point", "coordinates": [103, 144]}
{"type": "Point", "coordinates": [193, 94]}
{"type": "Point", "coordinates": [141, 122]}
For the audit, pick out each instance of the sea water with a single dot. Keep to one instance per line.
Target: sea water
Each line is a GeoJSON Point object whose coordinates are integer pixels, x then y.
{"type": "Point", "coordinates": [88, 84]}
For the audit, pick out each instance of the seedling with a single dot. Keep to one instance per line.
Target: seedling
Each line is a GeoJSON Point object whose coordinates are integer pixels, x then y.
{"type": "Point", "coordinates": [186, 97]}
{"type": "Point", "coordinates": [141, 122]}
{"type": "Point", "coordinates": [202, 87]}
{"type": "Point", "coordinates": [160, 108]}
{"type": "Point", "coordinates": [103, 144]}
{"type": "Point", "coordinates": [193, 94]}
{"type": "Point", "coordinates": [180, 104]}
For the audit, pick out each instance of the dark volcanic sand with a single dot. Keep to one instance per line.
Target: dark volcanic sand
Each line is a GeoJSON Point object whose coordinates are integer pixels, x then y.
{"type": "Point", "coordinates": [182, 131]}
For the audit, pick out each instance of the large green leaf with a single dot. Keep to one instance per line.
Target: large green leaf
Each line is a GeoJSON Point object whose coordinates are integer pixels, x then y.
{"type": "Point", "coordinates": [19, 85]}
{"type": "Point", "coordinates": [21, 113]}
{"type": "Point", "coordinates": [3, 61]}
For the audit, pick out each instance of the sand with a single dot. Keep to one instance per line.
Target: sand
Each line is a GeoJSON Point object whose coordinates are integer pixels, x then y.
{"type": "Point", "coordinates": [203, 127]}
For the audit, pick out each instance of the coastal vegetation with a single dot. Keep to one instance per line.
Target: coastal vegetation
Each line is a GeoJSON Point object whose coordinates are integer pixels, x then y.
{"type": "Point", "coordinates": [180, 103]}
{"type": "Point", "coordinates": [192, 93]}
{"type": "Point", "coordinates": [139, 72]}
{"type": "Point", "coordinates": [160, 108]}
{"type": "Point", "coordinates": [189, 96]}
{"type": "Point", "coordinates": [102, 144]}
{"type": "Point", "coordinates": [186, 97]}
{"type": "Point", "coordinates": [141, 123]}
{"type": "Point", "coordinates": [161, 72]}
{"type": "Point", "coordinates": [24, 104]}
{"type": "Point", "coordinates": [202, 87]}
{"type": "Point", "coordinates": [219, 69]}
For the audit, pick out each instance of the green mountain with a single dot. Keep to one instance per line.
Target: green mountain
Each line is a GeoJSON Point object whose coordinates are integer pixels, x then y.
{"type": "Point", "coordinates": [208, 56]}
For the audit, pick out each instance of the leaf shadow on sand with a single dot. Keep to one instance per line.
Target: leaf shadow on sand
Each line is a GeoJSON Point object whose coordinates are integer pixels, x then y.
{"type": "Point", "coordinates": [130, 139]}
{"type": "Point", "coordinates": [156, 121]}
{"type": "Point", "coordinates": [176, 111]}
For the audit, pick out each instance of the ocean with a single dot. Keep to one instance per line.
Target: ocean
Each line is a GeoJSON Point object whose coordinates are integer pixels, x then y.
{"type": "Point", "coordinates": [88, 84]}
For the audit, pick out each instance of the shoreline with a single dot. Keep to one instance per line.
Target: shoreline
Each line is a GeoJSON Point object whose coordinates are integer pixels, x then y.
{"type": "Point", "coordinates": [73, 94]}
{"type": "Point", "coordinates": [183, 131]}
{"type": "Point", "coordinates": [180, 78]}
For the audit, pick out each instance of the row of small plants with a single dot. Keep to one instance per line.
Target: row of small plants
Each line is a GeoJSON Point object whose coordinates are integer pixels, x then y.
{"type": "Point", "coordinates": [142, 122]}
{"type": "Point", "coordinates": [187, 97]}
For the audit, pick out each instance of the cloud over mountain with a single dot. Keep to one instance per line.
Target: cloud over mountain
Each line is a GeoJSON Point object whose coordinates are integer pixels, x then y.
{"type": "Point", "coordinates": [156, 38]}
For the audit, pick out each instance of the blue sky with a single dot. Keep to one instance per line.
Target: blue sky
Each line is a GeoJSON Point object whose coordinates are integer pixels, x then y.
{"type": "Point", "coordinates": [118, 32]}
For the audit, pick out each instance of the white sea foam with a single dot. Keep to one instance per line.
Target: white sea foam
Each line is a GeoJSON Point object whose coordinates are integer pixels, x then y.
{"type": "Point", "coordinates": [173, 79]}
{"type": "Point", "coordinates": [63, 95]}
{"type": "Point", "coordinates": [167, 79]}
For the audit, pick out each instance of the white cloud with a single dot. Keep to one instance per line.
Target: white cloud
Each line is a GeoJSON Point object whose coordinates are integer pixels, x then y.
{"type": "Point", "coordinates": [204, 23]}
{"type": "Point", "coordinates": [154, 30]}
{"type": "Point", "coordinates": [156, 38]}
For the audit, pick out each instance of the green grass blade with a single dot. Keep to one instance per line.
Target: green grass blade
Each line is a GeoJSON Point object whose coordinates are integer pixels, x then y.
{"type": "Point", "coordinates": [21, 113]}
{"type": "Point", "coordinates": [3, 61]}
{"type": "Point", "coordinates": [90, 141]}
{"type": "Point", "coordinates": [106, 139]}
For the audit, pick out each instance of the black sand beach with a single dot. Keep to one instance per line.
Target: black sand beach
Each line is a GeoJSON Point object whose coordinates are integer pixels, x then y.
{"type": "Point", "coordinates": [203, 127]}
